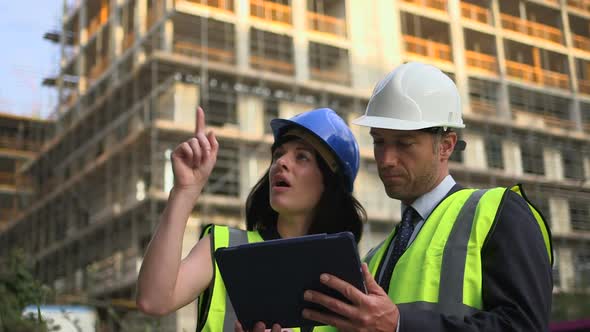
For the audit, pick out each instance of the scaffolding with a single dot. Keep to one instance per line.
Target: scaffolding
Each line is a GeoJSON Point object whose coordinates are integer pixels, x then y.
{"type": "Point", "coordinates": [132, 73]}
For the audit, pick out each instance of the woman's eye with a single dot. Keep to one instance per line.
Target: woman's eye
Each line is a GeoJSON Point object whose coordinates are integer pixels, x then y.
{"type": "Point", "coordinates": [302, 156]}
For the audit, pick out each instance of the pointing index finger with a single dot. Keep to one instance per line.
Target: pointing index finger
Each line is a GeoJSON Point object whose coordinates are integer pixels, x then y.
{"type": "Point", "coordinates": [200, 125]}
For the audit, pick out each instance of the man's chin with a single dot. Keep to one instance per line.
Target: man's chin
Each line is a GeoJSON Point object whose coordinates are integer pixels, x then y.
{"type": "Point", "coordinates": [397, 192]}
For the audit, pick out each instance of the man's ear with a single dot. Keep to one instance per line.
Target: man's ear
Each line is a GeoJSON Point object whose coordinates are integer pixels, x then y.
{"type": "Point", "coordinates": [447, 145]}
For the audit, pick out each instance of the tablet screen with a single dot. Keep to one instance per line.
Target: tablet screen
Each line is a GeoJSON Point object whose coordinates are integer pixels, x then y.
{"type": "Point", "coordinates": [265, 281]}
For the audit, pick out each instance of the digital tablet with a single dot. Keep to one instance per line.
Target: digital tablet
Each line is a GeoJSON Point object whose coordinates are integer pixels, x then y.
{"type": "Point", "coordinates": [265, 281]}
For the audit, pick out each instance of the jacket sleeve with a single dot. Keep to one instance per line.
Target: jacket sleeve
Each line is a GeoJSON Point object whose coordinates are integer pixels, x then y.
{"type": "Point", "coordinates": [517, 280]}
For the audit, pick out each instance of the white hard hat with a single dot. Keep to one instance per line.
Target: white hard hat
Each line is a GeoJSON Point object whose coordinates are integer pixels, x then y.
{"type": "Point", "coordinates": [413, 96]}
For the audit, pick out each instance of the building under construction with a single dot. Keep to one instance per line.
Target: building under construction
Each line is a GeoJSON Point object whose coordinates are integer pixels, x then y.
{"type": "Point", "coordinates": [133, 71]}
{"type": "Point", "coordinates": [21, 139]}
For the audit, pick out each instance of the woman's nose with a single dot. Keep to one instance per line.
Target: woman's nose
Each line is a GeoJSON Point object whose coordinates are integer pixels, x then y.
{"type": "Point", "coordinates": [283, 161]}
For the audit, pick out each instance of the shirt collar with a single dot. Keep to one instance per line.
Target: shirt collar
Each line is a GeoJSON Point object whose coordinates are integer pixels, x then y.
{"type": "Point", "coordinates": [427, 202]}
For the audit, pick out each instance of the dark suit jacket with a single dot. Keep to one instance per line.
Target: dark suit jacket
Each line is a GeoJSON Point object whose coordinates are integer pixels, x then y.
{"type": "Point", "coordinates": [517, 279]}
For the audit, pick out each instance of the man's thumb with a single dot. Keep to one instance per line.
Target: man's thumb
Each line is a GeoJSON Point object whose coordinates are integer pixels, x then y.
{"type": "Point", "coordinates": [372, 286]}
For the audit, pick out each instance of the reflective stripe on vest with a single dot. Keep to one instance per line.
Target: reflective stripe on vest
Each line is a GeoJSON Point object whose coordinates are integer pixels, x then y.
{"type": "Point", "coordinates": [220, 315]}
{"type": "Point", "coordinates": [442, 269]}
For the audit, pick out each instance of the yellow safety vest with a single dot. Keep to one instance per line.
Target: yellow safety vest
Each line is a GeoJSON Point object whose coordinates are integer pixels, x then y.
{"type": "Point", "coordinates": [442, 268]}
{"type": "Point", "coordinates": [216, 313]}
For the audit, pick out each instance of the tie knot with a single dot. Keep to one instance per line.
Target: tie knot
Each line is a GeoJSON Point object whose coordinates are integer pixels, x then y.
{"type": "Point", "coordinates": [410, 215]}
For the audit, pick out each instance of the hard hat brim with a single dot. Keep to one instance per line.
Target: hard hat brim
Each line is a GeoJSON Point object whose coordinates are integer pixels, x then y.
{"type": "Point", "coordinates": [396, 124]}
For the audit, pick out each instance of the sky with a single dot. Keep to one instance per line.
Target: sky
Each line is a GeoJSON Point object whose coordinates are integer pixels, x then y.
{"type": "Point", "coordinates": [26, 58]}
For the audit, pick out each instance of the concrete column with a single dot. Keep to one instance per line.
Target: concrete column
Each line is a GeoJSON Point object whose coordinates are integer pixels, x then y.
{"type": "Point", "coordinates": [250, 114]}
{"type": "Point", "coordinates": [168, 30]}
{"type": "Point", "coordinates": [575, 114]}
{"type": "Point", "coordinates": [363, 138]}
{"type": "Point", "coordinates": [186, 99]}
{"type": "Point", "coordinates": [140, 27]}
{"type": "Point", "coordinates": [82, 81]}
{"type": "Point", "coordinates": [376, 38]}
{"type": "Point", "coordinates": [566, 268]}
{"type": "Point", "coordinates": [512, 157]}
{"type": "Point", "coordinates": [243, 34]}
{"type": "Point", "coordinates": [253, 162]}
{"type": "Point", "coordinates": [560, 215]}
{"type": "Point", "coordinates": [475, 156]}
{"type": "Point", "coordinates": [458, 47]}
{"type": "Point", "coordinates": [300, 41]}
{"type": "Point", "coordinates": [522, 10]}
{"type": "Point", "coordinates": [116, 34]}
{"type": "Point", "coordinates": [62, 57]}
{"type": "Point", "coordinates": [553, 163]}
{"type": "Point", "coordinates": [289, 109]}
{"type": "Point", "coordinates": [503, 110]}
{"type": "Point", "coordinates": [370, 192]}
{"type": "Point", "coordinates": [168, 36]}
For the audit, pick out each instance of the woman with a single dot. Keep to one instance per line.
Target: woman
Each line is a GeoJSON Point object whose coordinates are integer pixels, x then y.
{"type": "Point", "coordinates": [307, 189]}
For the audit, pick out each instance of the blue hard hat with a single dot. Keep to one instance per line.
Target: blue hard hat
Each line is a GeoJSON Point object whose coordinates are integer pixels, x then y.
{"type": "Point", "coordinates": [325, 125]}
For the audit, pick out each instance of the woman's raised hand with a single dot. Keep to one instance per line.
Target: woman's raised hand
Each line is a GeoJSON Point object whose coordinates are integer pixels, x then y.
{"type": "Point", "coordinates": [194, 159]}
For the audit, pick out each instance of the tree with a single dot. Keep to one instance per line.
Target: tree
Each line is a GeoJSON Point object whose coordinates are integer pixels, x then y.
{"type": "Point", "coordinates": [18, 289]}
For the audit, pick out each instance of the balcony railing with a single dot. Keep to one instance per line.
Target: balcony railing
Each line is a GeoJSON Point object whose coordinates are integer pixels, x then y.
{"type": "Point", "coordinates": [70, 98]}
{"type": "Point", "coordinates": [109, 272]}
{"type": "Point", "coordinates": [223, 5]}
{"type": "Point", "coordinates": [427, 48]}
{"type": "Point", "coordinates": [434, 4]}
{"type": "Point", "coordinates": [14, 143]}
{"type": "Point", "coordinates": [99, 20]}
{"type": "Point", "coordinates": [579, 4]}
{"type": "Point", "coordinates": [8, 214]}
{"type": "Point", "coordinates": [326, 24]}
{"type": "Point", "coordinates": [483, 107]}
{"type": "Point", "coordinates": [271, 11]}
{"type": "Point", "coordinates": [532, 29]}
{"type": "Point", "coordinates": [7, 179]}
{"type": "Point", "coordinates": [555, 122]}
{"type": "Point", "coordinates": [128, 40]}
{"type": "Point", "coordinates": [274, 65]}
{"type": "Point", "coordinates": [481, 61]}
{"type": "Point", "coordinates": [99, 67]}
{"type": "Point", "coordinates": [192, 49]}
{"type": "Point", "coordinates": [476, 13]}
{"type": "Point", "coordinates": [537, 75]}
{"type": "Point", "coordinates": [584, 86]}
{"type": "Point", "coordinates": [15, 180]}
{"type": "Point", "coordinates": [581, 42]}
{"type": "Point", "coordinates": [336, 76]}
{"type": "Point", "coordinates": [536, 120]}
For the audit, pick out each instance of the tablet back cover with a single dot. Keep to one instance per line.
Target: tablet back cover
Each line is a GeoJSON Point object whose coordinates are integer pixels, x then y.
{"type": "Point", "coordinates": [265, 281]}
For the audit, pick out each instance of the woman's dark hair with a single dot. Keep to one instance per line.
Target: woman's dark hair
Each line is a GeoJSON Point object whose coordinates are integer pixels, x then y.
{"type": "Point", "coordinates": [336, 211]}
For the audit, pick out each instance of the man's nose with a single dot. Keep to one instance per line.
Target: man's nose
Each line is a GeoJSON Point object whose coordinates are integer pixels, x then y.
{"type": "Point", "coordinates": [387, 156]}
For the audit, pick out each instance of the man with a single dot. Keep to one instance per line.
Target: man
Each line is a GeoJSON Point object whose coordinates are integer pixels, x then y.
{"type": "Point", "coordinates": [461, 259]}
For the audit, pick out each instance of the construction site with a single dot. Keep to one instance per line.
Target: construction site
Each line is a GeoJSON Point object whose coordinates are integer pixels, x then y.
{"type": "Point", "coordinates": [85, 188]}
